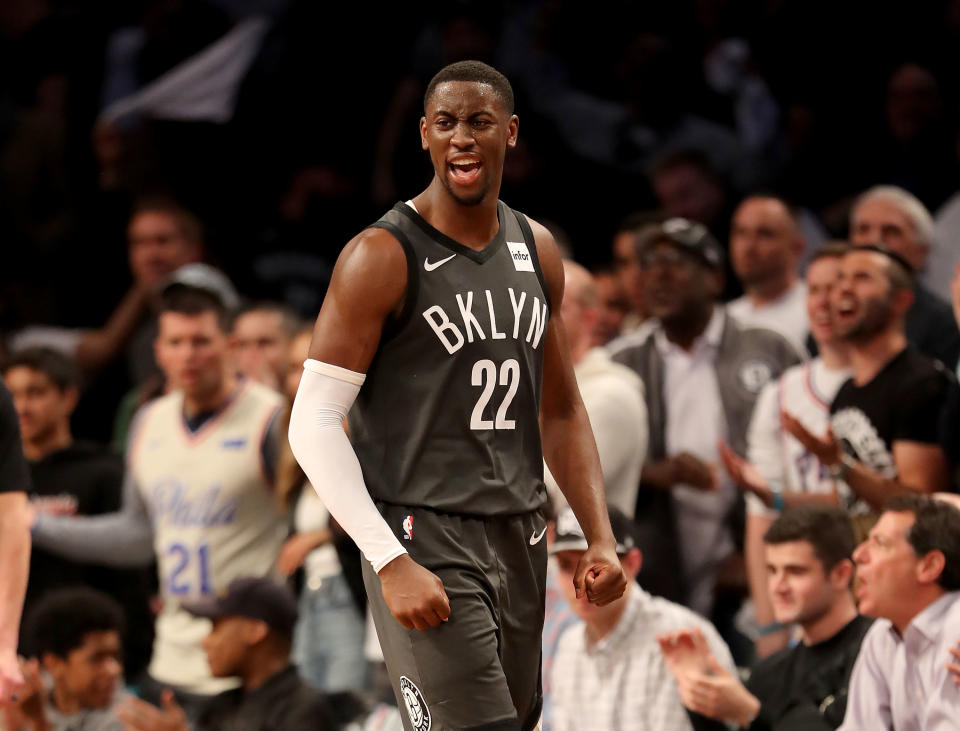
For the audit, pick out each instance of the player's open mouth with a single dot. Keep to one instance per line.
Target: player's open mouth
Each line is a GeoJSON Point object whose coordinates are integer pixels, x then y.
{"type": "Point", "coordinates": [465, 172]}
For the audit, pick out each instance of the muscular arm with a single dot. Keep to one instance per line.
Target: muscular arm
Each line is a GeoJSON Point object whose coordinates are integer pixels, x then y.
{"type": "Point", "coordinates": [568, 444]}
{"type": "Point", "coordinates": [120, 539]}
{"type": "Point", "coordinates": [368, 285]}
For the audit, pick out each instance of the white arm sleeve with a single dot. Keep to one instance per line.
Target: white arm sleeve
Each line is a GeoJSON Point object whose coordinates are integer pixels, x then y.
{"type": "Point", "coordinates": [323, 450]}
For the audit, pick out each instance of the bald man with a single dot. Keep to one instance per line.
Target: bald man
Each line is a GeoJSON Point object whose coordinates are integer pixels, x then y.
{"type": "Point", "coordinates": [766, 245]}
{"type": "Point", "coordinates": [612, 394]}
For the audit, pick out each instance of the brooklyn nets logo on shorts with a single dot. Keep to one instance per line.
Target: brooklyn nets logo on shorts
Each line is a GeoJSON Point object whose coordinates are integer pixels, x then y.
{"type": "Point", "coordinates": [416, 705]}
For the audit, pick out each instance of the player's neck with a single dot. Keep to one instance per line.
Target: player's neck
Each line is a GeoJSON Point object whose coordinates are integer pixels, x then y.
{"type": "Point", "coordinates": [868, 358]}
{"type": "Point", "coordinates": [840, 614]}
{"type": "Point", "coordinates": [194, 404]}
{"type": "Point", "coordinates": [472, 226]}
{"type": "Point", "coordinates": [57, 438]}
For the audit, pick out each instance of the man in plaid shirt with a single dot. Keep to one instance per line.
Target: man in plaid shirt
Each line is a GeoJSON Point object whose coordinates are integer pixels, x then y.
{"type": "Point", "coordinates": [609, 672]}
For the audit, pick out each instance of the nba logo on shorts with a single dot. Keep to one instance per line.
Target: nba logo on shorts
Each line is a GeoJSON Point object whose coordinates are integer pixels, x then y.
{"type": "Point", "coordinates": [408, 528]}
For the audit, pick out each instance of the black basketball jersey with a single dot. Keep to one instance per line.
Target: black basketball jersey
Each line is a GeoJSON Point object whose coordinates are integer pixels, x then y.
{"type": "Point", "coordinates": [447, 418]}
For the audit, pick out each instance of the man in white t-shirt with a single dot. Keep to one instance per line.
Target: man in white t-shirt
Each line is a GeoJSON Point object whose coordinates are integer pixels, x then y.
{"type": "Point", "coordinates": [780, 471]}
{"type": "Point", "coordinates": [766, 245]}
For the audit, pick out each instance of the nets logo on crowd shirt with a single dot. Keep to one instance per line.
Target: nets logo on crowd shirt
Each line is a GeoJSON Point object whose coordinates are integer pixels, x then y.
{"type": "Point", "coordinates": [416, 706]}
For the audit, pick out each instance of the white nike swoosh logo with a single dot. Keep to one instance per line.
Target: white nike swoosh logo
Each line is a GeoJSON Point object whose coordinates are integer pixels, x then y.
{"type": "Point", "coordinates": [535, 539]}
{"type": "Point", "coordinates": [431, 266]}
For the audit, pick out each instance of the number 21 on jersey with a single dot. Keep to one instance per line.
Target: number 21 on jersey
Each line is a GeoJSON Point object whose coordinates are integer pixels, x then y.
{"type": "Point", "coordinates": [485, 375]}
{"type": "Point", "coordinates": [190, 572]}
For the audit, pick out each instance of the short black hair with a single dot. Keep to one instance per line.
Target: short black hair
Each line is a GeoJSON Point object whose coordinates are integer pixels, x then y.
{"type": "Point", "coordinates": [899, 271]}
{"type": "Point", "coordinates": [56, 366]}
{"type": "Point", "coordinates": [825, 527]}
{"type": "Point", "coordinates": [290, 322]}
{"type": "Point", "coordinates": [189, 300]}
{"type": "Point", "coordinates": [936, 527]}
{"type": "Point", "coordinates": [61, 620]}
{"type": "Point", "coordinates": [476, 72]}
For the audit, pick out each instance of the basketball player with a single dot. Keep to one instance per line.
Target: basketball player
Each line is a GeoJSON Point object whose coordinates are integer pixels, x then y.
{"type": "Point", "coordinates": [441, 312]}
{"type": "Point", "coordinates": [198, 493]}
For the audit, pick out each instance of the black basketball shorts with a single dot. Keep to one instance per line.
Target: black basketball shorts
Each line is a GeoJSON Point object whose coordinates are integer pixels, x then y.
{"type": "Point", "coordinates": [480, 669]}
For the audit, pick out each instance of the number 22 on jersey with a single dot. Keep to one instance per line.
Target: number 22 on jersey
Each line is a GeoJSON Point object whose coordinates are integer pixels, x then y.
{"type": "Point", "coordinates": [485, 376]}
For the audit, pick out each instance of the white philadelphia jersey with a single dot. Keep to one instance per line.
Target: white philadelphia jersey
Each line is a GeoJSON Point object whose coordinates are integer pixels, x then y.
{"type": "Point", "coordinates": [805, 391]}
{"type": "Point", "coordinates": [214, 515]}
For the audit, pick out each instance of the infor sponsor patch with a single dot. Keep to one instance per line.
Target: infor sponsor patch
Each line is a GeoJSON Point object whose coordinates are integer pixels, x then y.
{"type": "Point", "coordinates": [520, 255]}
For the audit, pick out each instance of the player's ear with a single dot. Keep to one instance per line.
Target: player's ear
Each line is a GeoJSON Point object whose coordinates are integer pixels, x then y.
{"type": "Point", "coordinates": [423, 134]}
{"type": "Point", "coordinates": [513, 129]}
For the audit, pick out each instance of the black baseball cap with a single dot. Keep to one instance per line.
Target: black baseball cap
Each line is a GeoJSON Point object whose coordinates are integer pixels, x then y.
{"type": "Point", "coordinates": [685, 234]}
{"type": "Point", "coordinates": [253, 598]}
{"type": "Point", "coordinates": [570, 536]}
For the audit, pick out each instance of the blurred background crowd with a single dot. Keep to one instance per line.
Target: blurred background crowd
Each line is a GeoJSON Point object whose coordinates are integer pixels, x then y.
{"type": "Point", "coordinates": [234, 146]}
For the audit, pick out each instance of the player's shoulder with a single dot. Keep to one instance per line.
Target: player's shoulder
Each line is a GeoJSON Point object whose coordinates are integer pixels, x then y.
{"type": "Point", "coordinates": [371, 269]}
{"type": "Point", "coordinates": [374, 246]}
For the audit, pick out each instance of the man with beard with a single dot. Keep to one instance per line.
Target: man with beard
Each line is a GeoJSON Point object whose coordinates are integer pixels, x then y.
{"type": "Point", "coordinates": [702, 372]}
{"type": "Point", "coordinates": [896, 219]}
{"type": "Point", "coordinates": [883, 437]}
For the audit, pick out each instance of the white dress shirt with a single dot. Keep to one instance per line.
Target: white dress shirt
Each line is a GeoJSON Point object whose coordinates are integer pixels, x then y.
{"type": "Point", "coordinates": [695, 421]}
{"type": "Point", "coordinates": [903, 683]}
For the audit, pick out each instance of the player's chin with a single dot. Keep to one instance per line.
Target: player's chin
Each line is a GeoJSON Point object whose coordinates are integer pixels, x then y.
{"type": "Point", "coordinates": [467, 196]}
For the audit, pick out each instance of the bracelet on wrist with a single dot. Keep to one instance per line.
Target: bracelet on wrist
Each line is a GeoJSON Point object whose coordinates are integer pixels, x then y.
{"type": "Point", "coordinates": [776, 496]}
{"type": "Point", "coordinates": [770, 629]}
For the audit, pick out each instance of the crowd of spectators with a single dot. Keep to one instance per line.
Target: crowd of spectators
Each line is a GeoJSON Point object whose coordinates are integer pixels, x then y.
{"type": "Point", "coordinates": [762, 303]}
